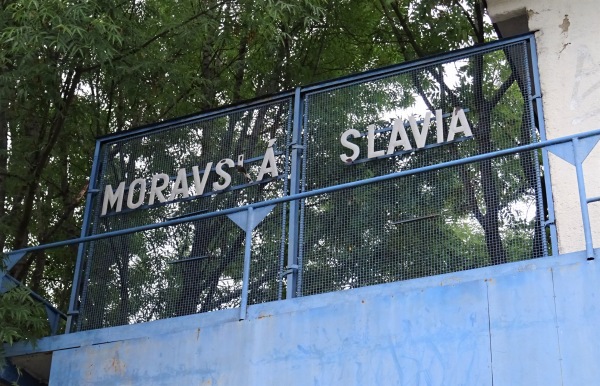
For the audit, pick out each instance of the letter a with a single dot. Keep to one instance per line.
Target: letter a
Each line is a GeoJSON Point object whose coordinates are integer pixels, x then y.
{"type": "Point", "coordinates": [180, 186]}
{"type": "Point", "coordinates": [459, 115]}
{"type": "Point", "coordinates": [268, 165]}
{"type": "Point", "coordinates": [395, 141]}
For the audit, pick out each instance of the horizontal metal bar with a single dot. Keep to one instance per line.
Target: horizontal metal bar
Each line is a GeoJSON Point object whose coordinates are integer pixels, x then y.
{"type": "Point", "coordinates": [593, 199]}
{"type": "Point", "coordinates": [187, 260]}
{"type": "Point", "coordinates": [415, 219]}
{"type": "Point", "coordinates": [414, 64]}
{"type": "Point", "coordinates": [222, 110]}
{"type": "Point", "coordinates": [315, 87]}
{"type": "Point", "coordinates": [316, 192]}
{"type": "Point", "coordinates": [187, 214]}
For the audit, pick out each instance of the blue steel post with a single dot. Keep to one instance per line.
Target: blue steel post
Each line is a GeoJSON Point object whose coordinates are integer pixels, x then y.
{"type": "Point", "coordinates": [583, 201]}
{"type": "Point", "coordinates": [247, 251]}
{"type": "Point", "coordinates": [541, 210]}
{"type": "Point", "coordinates": [84, 230]}
{"type": "Point", "coordinates": [537, 96]}
{"type": "Point", "coordinates": [300, 258]}
{"type": "Point", "coordinates": [292, 261]}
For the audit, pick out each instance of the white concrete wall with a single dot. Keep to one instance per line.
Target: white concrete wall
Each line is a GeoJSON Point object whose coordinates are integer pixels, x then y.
{"type": "Point", "coordinates": [567, 33]}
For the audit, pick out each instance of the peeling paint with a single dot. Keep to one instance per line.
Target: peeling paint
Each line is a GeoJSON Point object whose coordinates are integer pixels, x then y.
{"type": "Point", "coordinates": [450, 281]}
{"type": "Point", "coordinates": [531, 13]}
{"type": "Point", "coordinates": [527, 267]}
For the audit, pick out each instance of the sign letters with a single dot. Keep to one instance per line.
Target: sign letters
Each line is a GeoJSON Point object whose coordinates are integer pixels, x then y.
{"type": "Point", "coordinates": [399, 138]}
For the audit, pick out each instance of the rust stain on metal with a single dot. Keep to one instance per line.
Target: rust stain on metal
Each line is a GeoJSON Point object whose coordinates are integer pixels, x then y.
{"type": "Point", "coordinates": [118, 365]}
{"type": "Point", "coordinates": [264, 316]}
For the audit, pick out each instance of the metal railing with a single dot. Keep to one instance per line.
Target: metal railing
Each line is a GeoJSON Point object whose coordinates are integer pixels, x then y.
{"type": "Point", "coordinates": [460, 187]}
{"type": "Point", "coordinates": [560, 146]}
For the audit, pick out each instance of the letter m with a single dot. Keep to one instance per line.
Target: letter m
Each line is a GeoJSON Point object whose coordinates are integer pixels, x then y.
{"type": "Point", "coordinates": [111, 198]}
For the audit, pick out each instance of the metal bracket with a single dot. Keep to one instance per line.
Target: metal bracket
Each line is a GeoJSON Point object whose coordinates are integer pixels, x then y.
{"type": "Point", "coordinates": [300, 148]}
{"type": "Point", "coordinates": [290, 270]}
{"type": "Point", "coordinates": [566, 150]}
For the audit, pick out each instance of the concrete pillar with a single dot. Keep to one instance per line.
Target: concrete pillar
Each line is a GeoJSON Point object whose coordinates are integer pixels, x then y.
{"type": "Point", "coordinates": [567, 34]}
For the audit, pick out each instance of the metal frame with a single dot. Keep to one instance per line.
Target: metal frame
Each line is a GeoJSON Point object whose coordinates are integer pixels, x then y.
{"type": "Point", "coordinates": [537, 99]}
{"type": "Point", "coordinates": [296, 194]}
{"type": "Point", "coordinates": [302, 195]}
{"type": "Point", "coordinates": [316, 192]}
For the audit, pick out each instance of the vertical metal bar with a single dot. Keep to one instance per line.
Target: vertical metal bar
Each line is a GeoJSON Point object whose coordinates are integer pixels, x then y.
{"type": "Point", "coordinates": [537, 91]}
{"type": "Point", "coordinates": [288, 131]}
{"type": "Point", "coordinates": [84, 231]}
{"type": "Point", "coordinates": [292, 260]}
{"type": "Point", "coordinates": [538, 184]}
{"type": "Point", "coordinates": [246, 273]}
{"type": "Point", "coordinates": [589, 246]}
{"type": "Point", "coordinates": [300, 260]}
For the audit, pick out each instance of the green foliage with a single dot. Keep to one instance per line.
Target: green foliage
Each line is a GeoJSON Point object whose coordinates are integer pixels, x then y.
{"type": "Point", "coordinates": [21, 318]}
{"type": "Point", "coordinates": [74, 70]}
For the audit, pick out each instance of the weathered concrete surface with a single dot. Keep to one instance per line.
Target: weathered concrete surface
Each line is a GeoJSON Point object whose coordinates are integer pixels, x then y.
{"type": "Point", "coordinates": [523, 323]}
{"type": "Point", "coordinates": [569, 66]}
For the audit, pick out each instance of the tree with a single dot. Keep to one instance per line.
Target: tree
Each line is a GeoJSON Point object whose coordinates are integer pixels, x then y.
{"type": "Point", "coordinates": [71, 71]}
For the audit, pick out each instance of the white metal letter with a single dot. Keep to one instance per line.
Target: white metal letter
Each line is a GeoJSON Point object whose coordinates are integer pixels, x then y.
{"type": "Point", "coordinates": [226, 177]}
{"type": "Point", "coordinates": [459, 115]}
{"type": "Point", "coordinates": [110, 197]}
{"type": "Point", "coordinates": [199, 185]}
{"type": "Point", "coordinates": [142, 183]}
{"type": "Point", "coordinates": [439, 125]}
{"type": "Point", "coordinates": [180, 186]}
{"type": "Point", "coordinates": [420, 136]}
{"type": "Point", "coordinates": [349, 145]}
{"type": "Point", "coordinates": [395, 141]}
{"type": "Point", "coordinates": [156, 189]}
{"type": "Point", "coordinates": [268, 163]}
{"type": "Point", "coordinates": [371, 153]}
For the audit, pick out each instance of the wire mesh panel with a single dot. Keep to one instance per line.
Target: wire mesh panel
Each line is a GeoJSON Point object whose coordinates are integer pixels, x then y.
{"type": "Point", "coordinates": [420, 225]}
{"type": "Point", "coordinates": [203, 165]}
{"type": "Point", "coordinates": [178, 270]}
{"type": "Point", "coordinates": [430, 221]}
{"type": "Point", "coordinates": [200, 166]}
{"type": "Point", "coordinates": [458, 218]}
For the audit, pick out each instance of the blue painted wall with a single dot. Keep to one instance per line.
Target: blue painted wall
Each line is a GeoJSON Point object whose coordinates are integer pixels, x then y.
{"type": "Point", "coordinates": [527, 323]}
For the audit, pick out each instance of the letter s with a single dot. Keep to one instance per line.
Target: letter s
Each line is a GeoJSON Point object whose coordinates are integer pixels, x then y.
{"type": "Point", "coordinates": [349, 145]}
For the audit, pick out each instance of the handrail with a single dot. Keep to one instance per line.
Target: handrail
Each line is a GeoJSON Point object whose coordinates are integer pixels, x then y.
{"type": "Point", "coordinates": [306, 194]}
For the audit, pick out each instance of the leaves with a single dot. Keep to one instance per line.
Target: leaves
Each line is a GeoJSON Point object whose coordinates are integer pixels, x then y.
{"type": "Point", "coordinates": [74, 70]}
{"type": "Point", "coordinates": [21, 318]}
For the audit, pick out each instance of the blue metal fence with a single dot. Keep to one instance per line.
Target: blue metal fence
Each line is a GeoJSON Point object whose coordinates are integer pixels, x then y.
{"type": "Point", "coordinates": [413, 170]}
